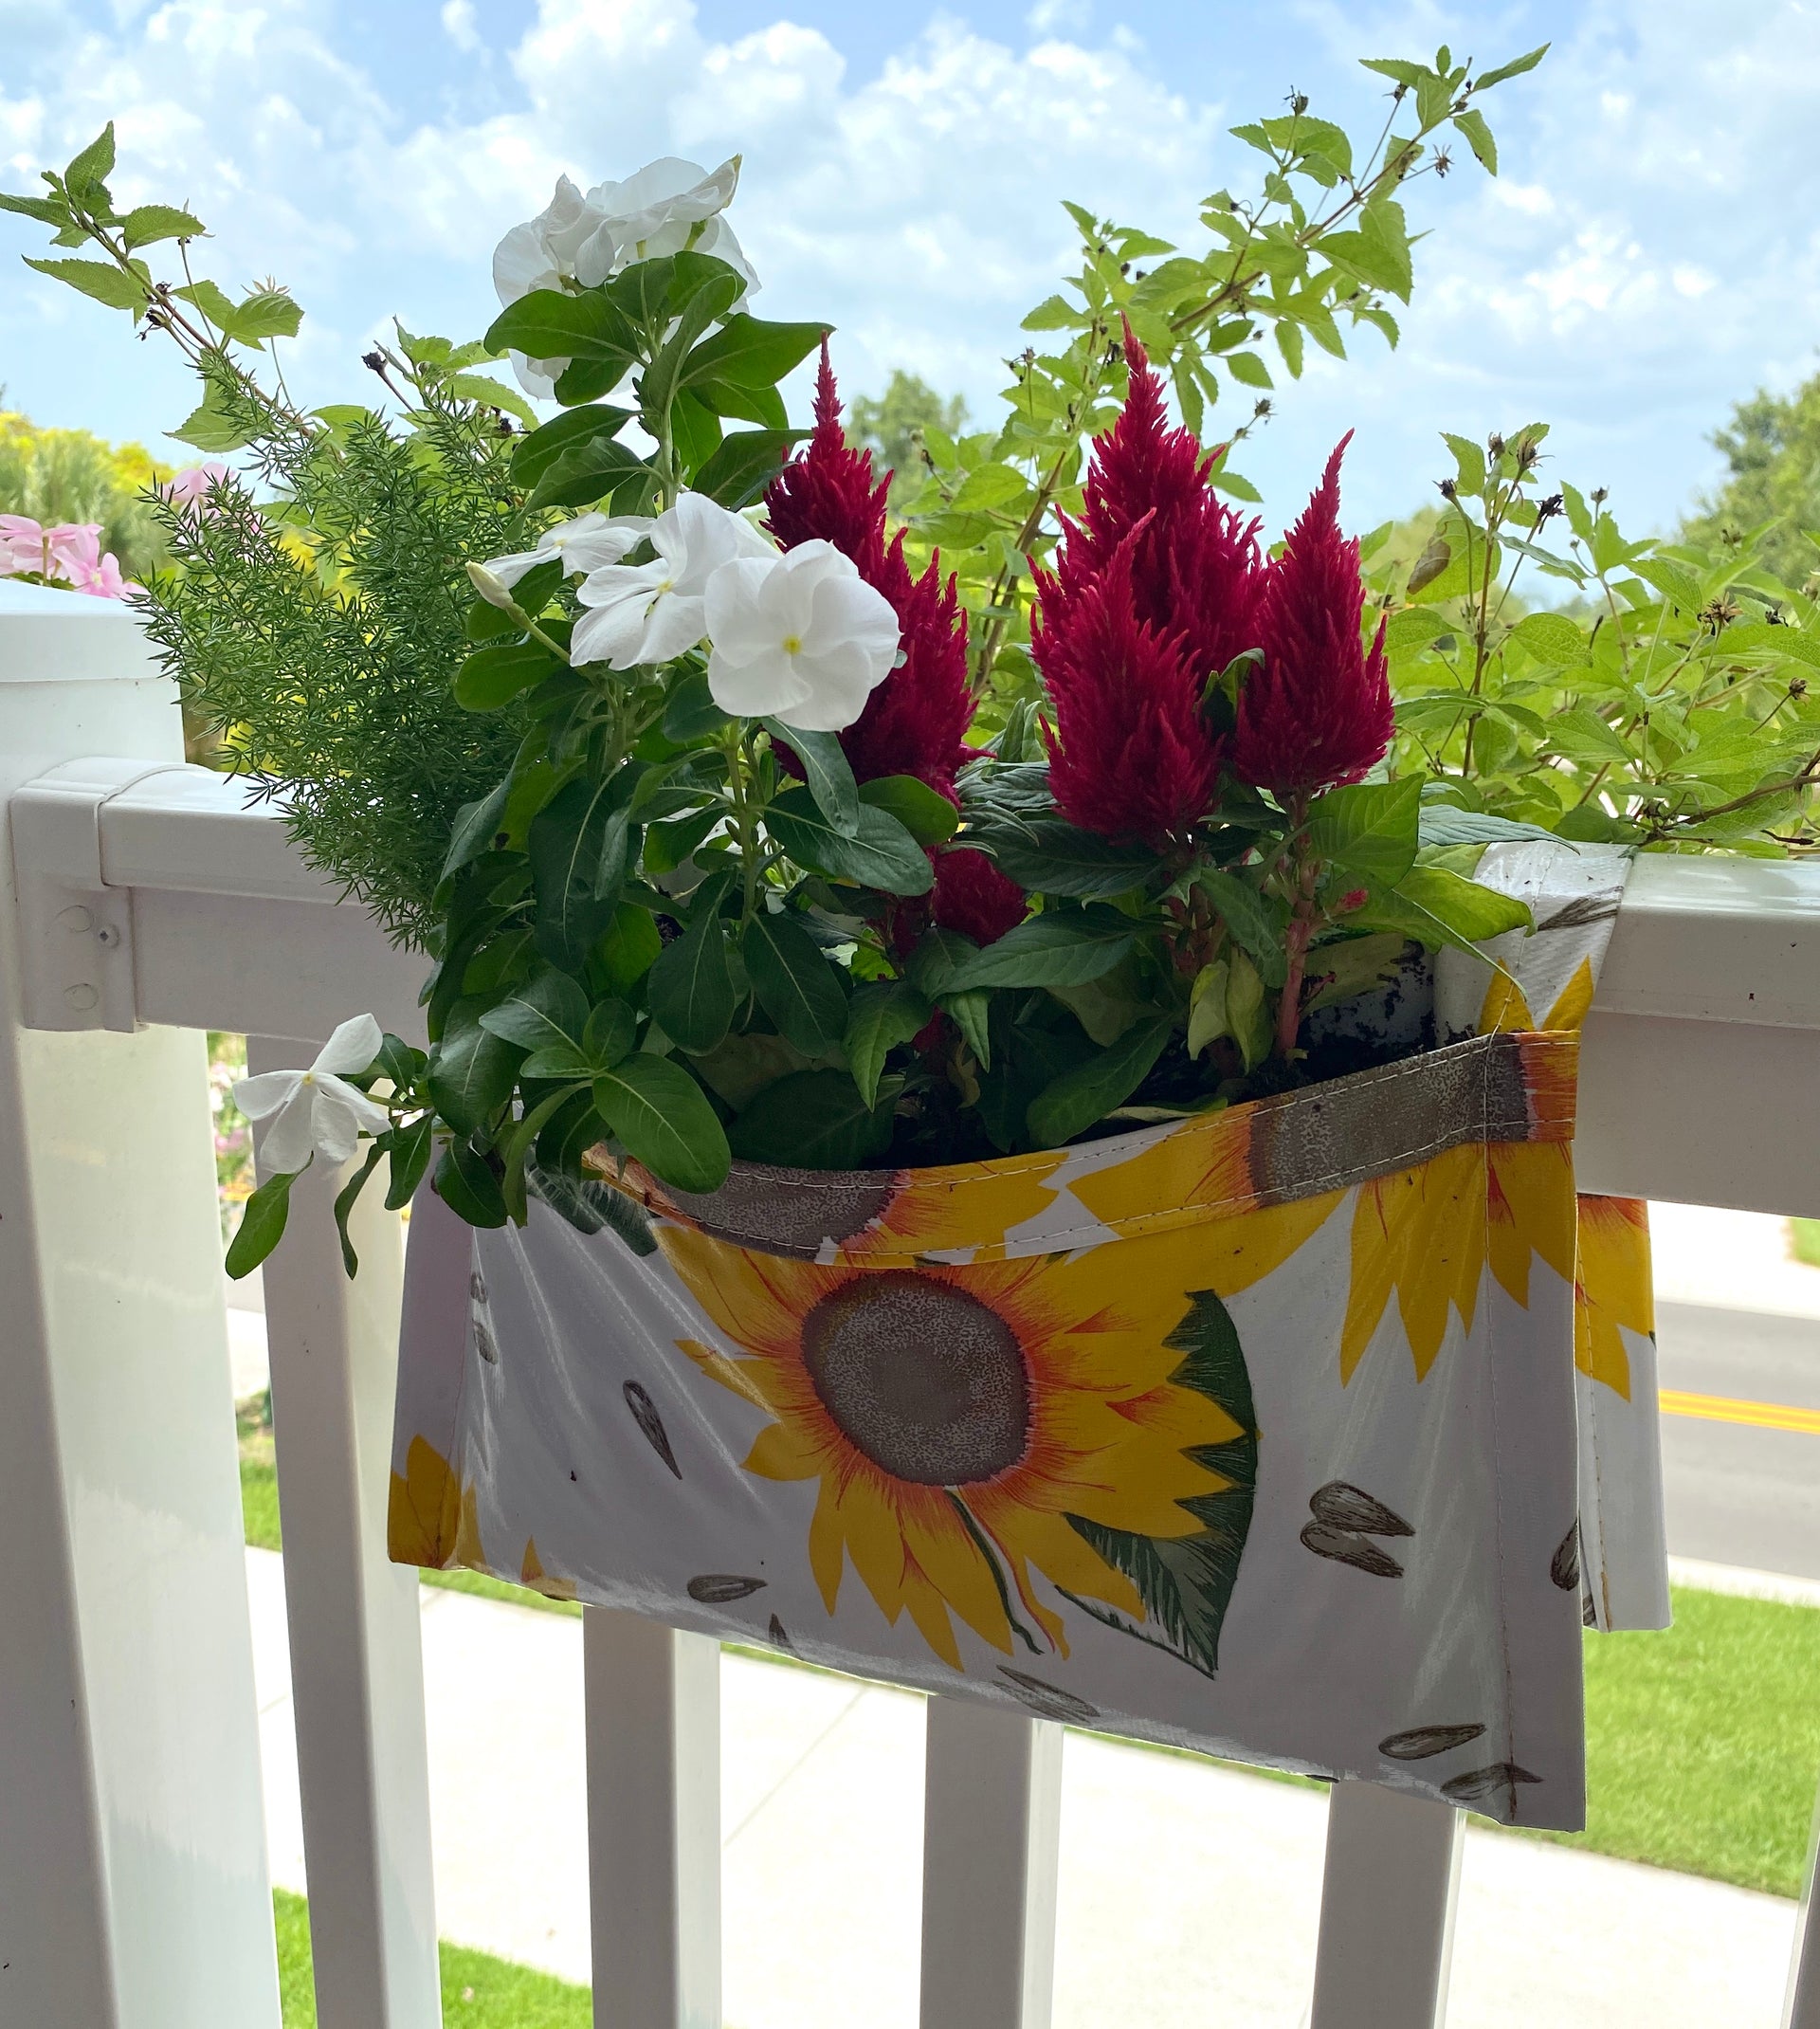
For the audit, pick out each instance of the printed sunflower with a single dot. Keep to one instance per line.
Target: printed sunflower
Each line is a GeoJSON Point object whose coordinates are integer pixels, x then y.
{"type": "Point", "coordinates": [974, 1429]}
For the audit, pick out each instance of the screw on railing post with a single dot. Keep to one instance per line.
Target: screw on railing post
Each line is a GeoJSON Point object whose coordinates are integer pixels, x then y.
{"type": "Point", "coordinates": [132, 1878]}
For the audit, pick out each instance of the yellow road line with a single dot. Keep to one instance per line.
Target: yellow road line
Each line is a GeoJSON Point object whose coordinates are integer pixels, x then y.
{"type": "Point", "coordinates": [1726, 1409]}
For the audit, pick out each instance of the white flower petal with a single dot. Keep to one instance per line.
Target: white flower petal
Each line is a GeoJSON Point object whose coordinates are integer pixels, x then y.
{"type": "Point", "coordinates": [522, 262]}
{"type": "Point", "coordinates": [613, 635]}
{"type": "Point", "coordinates": [290, 1140]}
{"type": "Point", "coordinates": [850, 609]}
{"type": "Point", "coordinates": [369, 1113]}
{"type": "Point", "coordinates": [676, 624]}
{"type": "Point", "coordinates": [836, 687]}
{"type": "Point", "coordinates": [353, 1046]}
{"type": "Point", "coordinates": [537, 377]}
{"type": "Point", "coordinates": [737, 622]}
{"type": "Point", "coordinates": [265, 1093]}
{"type": "Point", "coordinates": [334, 1126]}
{"type": "Point", "coordinates": [765, 686]}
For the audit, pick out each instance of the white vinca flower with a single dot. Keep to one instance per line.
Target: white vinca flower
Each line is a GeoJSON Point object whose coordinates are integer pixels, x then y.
{"type": "Point", "coordinates": [802, 639]}
{"type": "Point", "coordinates": [316, 1112]}
{"type": "Point", "coordinates": [670, 205]}
{"type": "Point", "coordinates": [648, 613]}
{"type": "Point", "coordinates": [587, 544]}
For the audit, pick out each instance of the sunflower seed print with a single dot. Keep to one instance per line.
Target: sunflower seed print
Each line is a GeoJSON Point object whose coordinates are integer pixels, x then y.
{"type": "Point", "coordinates": [779, 1638]}
{"type": "Point", "coordinates": [1564, 1567]}
{"type": "Point", "coordinates": [1422, 1742]}
{"type": "Point", "coordinates": [718, 1588]}
{"type": "Point", "coordinates": [1342, 1505]}
{"type": "Point", "coordinates": [1346, 1548]}
{"type": "Point", "coordinates": [484, 1344]}
{"type": "Point", "coordinates": [1047, 1701]}
{"type": "Point", "coordinates": [1479, 1784]}
{"type": "Point", "coordinates": [476, 1287]}
{"type": "Point", "coordinates": [644, 1414]}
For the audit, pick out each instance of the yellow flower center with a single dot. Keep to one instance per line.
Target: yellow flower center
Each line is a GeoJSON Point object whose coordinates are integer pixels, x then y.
{"type": "Point", "coordinates": [926, 1381]}
{"type": "Point", "coordinates": [793, 643]}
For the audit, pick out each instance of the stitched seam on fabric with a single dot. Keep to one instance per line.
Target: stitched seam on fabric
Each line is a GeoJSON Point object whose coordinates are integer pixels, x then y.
{"type": "Point", "coordinates": [1490, 1286]}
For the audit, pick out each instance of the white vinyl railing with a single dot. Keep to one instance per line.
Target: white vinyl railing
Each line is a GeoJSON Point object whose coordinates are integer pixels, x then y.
{"type": "Point", "coordinates": [147, 903]}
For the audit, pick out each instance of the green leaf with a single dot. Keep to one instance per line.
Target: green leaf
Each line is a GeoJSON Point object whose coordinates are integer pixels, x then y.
{"type": "Point", "coordinates": [664, 1119]}
{"type": "Point", "coordinates": [208, 429]}
{"type": "Point", "coordinates": [494, 676]}
{"type": "Point", "coordinates": [990, 486]}
{"type": "Point", "coordinates": [471, 1070]}
{"type": "Point", "coordinates": [825, 767]}
{"type": "Point", "coordinates": [549, 1009]}
{"type": "Point", "coordinates": [146, 223]}
{"type": "Point", "coordinates": [1256, 923]}
{"type": "Point", "coordinates": [261, 1224]}
{"type": "Point", "coordinates": [924, 812]}
{"type": "Point", "coordinates": [1248, 1019]}
{"type": "Point", "coordinates": [46, 211]}
{"type": "Point", "coordinates": [1049, 856]}
{"type": "Point", "coordinates": [585, 473]}
{"type": "Point", "coordinates": [1072, 1103]}
{"type": "Point", "coordinates": [1371, 829]}
{"type": "Point", "coordinates": [466, 1183]}
{"type": "Point", "coordinates": [880, 1015]}
{"type": "Point", "coordinates": [972, 1013]}
{"type": "Point", "coordinates": [815, 1120]}
{"type": "Point", "coordinates": [568, 840]}
{"type": "Point", "coordinates": [488, 392]}
{"type": "Point", "coordinates": [1206, 1020]}
{"type": "Point", "coordinates": [1446, 824]}
{"type": "Point", "coordinates": [625, 950]}
{"type": "Point", "coordinates": [1248, 369]}
{"type": "Point", "coordinates": [690, 991]}
{"type": "Point", "coordinates": [1055, 312]}
{"type": "Point", "coordinates": [795, 983]}
{"type": "Point", "coordinates": [751, 354]}
{"type": "Point", "coordinates": [1061, 948]}
{"type": "Point", "coordinates": [101, 280]}
{"type": "Point", "coordinates": [691, 715]}
{"type": "Point", "coordinates": [345, 1201]}
{"type": "Point", "coordinates": [745, 465]}
{"type": "Point", "coordinates": [95, 163]}
{"type": "Point", "coordinates": [881, 856]}
{"type": "Point", "coordinates": [532, 455]}
{"type": "Point", "coordinates": [709, 299]}
{"type": "Point", "coordinates": [1472, 124]}
{"type": "Point", "coordinates": [552, 325]}
{"type": "Point", "coordinates": [1487, 79]}
{"type": "Point", "coordinates": [477, 826]}
{"type": "Point", "coordinates": [410, 1149]}
{"type": "Point", "coordinates": [1552, 638]}
{"type": "Point", "coordinates": [1470, 910]}
{"type": "Point", "coordinates": [266, 313]}
{"type": "Point", "coordinates": [1586, 737]}
{"type": "Point", "coordinates": [1671, 581]}
{"type": "Point", "coordinates": [667, 845]}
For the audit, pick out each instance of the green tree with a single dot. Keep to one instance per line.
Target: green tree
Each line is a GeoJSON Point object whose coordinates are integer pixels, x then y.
{"type": "Point", "coordinates": [1772, 448]}
{"type": "Point", "coordinates": [67, 475]}
{"type": "Point", "coordinates": [890, 426]}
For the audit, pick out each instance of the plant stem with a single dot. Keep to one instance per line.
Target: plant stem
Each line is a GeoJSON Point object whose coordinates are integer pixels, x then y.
{"type": "Point", "coordinates": [1302, 928]}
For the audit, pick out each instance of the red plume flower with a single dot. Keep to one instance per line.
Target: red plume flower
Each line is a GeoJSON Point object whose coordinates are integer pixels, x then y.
{"type": "Point", "coordinates": [1130, 755]}
{"type": "Point", "coordinates": [973, 896]}
{"type": "Point", "coordinates": [915, 721]}
{"type": "Point", "coordinates": [1317, 712]}
{"type": "Point", "coordinates": [1196, 570]}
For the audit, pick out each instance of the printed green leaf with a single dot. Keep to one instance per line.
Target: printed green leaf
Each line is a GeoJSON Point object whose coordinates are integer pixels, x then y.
{"type": "Point", "coordinates": [1078, 1098]}
{"type": "Point", "coordinates": [882, 1014]}
{"type": "Point", "coordinates": [664, 1120]}
{"type": "Point", "coordinates": [795, 984]}
{"type": "Point", "coordinates": [883, 855]}
{"type": "Point", "coordinates": [1061, 948]}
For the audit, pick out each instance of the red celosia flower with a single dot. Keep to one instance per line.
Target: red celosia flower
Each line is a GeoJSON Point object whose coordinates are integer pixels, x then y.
{"type": "Point", "coordinates": [1318, 711]}
{"type": "Point", "coordinates": [914, 722]}
{"type": "Point", "coordinates": [973, 896]}
{"type": "Point", "coordinates": [1196, 570]}
{"type": "Point", "coordinates": [1130, 755]}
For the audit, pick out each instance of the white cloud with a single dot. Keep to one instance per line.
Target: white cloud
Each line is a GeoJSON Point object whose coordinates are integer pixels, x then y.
{"type": "Point", "coordinates": [458, 25]}
{"type": "Point", "coordinates": [1059, 17]}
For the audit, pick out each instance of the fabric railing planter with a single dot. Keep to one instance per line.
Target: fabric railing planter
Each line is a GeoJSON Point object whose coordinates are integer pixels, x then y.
{"type": "Point", "coordinates": [1255, 1432]}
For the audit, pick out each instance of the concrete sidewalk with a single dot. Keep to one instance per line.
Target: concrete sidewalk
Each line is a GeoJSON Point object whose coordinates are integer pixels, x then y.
{"type": "Point", "coordinates": [1189, 1893]}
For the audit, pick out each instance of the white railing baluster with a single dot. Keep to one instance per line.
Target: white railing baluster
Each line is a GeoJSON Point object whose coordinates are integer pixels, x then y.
{"type": "Point", "coordinates": [1802, 2008]}
{"type": "Point", "coordinates": [653, 1821]}
{"type": "Point", "coordinates": [356, 1662]}
{"type": "Point", "coordinates": [1386, 1902]}
{"type": "Point", "coordinates": [133, 1883]}
{"type": "Point", "coordinates": [990, 1851]}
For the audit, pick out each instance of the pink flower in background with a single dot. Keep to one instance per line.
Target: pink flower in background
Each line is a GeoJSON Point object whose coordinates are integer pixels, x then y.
{"type": "Point", "coordinates": [67, 554]}
{"type": "Point", "coordinates": [73, 548]}
{"type": "Point", "coordinates": [101, 580]}
{"type": "Point", "coordinates": [190, 488]}
{"type": "Point", "coordinates": [22, 544]}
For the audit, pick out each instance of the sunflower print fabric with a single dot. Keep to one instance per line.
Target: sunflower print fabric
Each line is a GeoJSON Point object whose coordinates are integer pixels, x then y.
{"type": "Point", "coordinates": [1254, 1433]}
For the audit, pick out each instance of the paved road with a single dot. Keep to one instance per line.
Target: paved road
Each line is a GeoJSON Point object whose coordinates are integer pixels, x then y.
{"type": "Point", "coordinates": [1740, 1496]}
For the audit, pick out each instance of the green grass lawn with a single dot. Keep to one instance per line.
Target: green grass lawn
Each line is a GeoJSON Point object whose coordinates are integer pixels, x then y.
{"type": "Point", "coordinates": [1702, 1753]}
{"type": "Point", "coordinates": [479, 1992]}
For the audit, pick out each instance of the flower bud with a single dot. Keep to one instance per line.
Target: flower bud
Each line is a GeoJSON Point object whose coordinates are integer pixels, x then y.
{"type": "Point", "coordinates": [494, 589]}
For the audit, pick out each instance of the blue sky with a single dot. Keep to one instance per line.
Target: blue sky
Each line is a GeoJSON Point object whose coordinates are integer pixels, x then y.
{"type": "Point", "coordinates": [1647, 256]}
